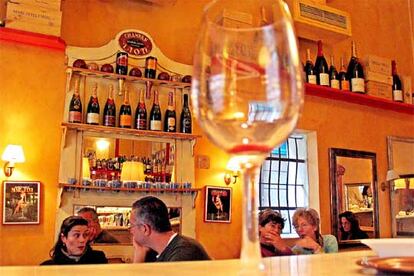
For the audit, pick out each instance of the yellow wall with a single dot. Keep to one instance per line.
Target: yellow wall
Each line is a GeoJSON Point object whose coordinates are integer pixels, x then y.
{"type": "Point", "coordinates": [32, 95]}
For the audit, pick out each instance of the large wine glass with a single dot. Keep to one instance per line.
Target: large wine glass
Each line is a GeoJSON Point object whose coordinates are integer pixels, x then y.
{"type": "Point", "coordinates": [247, 91]}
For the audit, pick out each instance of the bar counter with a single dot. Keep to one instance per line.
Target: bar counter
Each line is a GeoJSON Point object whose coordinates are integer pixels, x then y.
{"type": "Point", "coordinates": [322, 264]}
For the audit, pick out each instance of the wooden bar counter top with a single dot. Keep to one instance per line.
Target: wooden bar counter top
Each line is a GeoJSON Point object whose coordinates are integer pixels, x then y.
{"type": "Point", "coordinates": [323, 264]}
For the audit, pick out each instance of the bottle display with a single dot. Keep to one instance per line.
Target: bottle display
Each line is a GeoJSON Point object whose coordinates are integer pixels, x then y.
{"type": "Point", "coordinates": [125, 113]}
{"type": "Point", "coordinates": [92, 113]}
{"type": "Point", "coordinates": [75, 106]}
{"type": "Point", "coordinates": [170, 116]}
{"type": "Point", "coordinates": [333, 75]}
{"type": "Point", "coordinates": [397, 94]}
{"type": "Point", "coordinates": [121, 63]}
{"type": "Point", "coordinates": [185, 117]}
{"type": "Point", "coordinates": [150, 67]}
{"type": "Point", "coordinates": [109, 113]}
{"type": "Point", "coordinates": [155, 114]}
{"type": "Point", "coordinates": [309, 69]}
{"type": "Point", "coordinates": [141, 113]}
{"type": "Point", "coordinates": [321, 67]}
{"type": "Point", "coordinates": [343, 78]}
{"type": "Point", "coordinates": [355, 72]}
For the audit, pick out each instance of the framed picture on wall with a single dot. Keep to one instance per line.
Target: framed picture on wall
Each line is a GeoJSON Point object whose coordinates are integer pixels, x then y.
{"type": "Point", "coordinates": [218, 204]}
{"type": "Point", "coordinates": [21, 202]}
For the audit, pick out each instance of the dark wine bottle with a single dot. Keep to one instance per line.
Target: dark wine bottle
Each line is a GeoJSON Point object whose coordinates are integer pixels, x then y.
{"type": "Point", "coordinates": [170, 118]}
{"type": "Point", "coordinates": [92, 113]}
{"type": "Point", "coordinates": [155, 114]}
{"type": "Point", "coordinates": [185, 117]}
{"type": "Point", "coordinates": [109, 109]}
{"type": "Point", "coordinates": [355, 73]}
{"type": "Point", "coordinates": [141, 113]}
{"type": "Point", "coordinates": [333, 75]}
{"type": "Point", "coordinates": [309, 69]}
{"type": "Point", "coordinates": [125, 114]}
{"type": "Point", "coordinates": [321, 67]}
{"type": "Point", "coordinates": [75, 106]}
{"type": "Point", "coordinates": [397, 94]}
{"type": "Point", "coordinates": [121, 63]}
{"type": "Point", "coordinates": [150, 67]}
{"type": "Point", "coordinates": [343, 78]}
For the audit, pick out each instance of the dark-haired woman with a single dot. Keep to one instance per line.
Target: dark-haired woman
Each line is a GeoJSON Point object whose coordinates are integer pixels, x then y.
{"type": "Point", "coordinates": [350, 227]}
{"type": "Point", "coordinates": [72, 245]}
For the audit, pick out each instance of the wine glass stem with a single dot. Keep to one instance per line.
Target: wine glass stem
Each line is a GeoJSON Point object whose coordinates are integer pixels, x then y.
{"type": "Point", "coordinates": [250, 252]}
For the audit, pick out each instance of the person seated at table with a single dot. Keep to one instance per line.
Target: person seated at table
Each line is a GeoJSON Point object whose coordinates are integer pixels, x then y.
{"type": "Point", "coordinates": [72, 246]}
{"type": "Point", "coordinates": [306, 223]}
{"type": "Point", "coordinates": [151, 229]}
{"type": "Point", "coordinates": [350, 227]}
{"type": "Point", "coordinates": [97, 234]}
{"type": "Point", "coordinates": [271, 224]}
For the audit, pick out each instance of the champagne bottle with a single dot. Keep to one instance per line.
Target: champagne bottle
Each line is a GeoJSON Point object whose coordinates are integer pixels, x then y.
{"type": "Point", "coordinates": [321, 67]}
{"type": "Point", "coordinates": [141, 113]}
{"type": "Point", "coordinates": [92, 114]}
{"type": "Point", "coordinates": [110, 109]}
{"type": "Point", "coordinates": [397, 94]}
{"type": "Point", "coordinates": [155, 114]}
{"type": "Point", "coordinates": [75, 106]}
{"type": "Point", "coordinates": [333, 75]}
{"type": "Point", "coordinates": [355, 73]}
{"type": "Point", "coordinates": [343, 78]}
{"type": "Point", "coordinates": [170, 117]}
{"type": "Point", "coordinates": [309, 69]}
{"type": "Point", "coordinates": [185, 117]}
{"type": "Point", "coordinates": [125, 117]}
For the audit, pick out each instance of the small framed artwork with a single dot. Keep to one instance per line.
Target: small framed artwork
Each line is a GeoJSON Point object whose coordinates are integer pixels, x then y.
{"type": "Point", "coordinates": [218, 204]}
{"type": "Point", "coordinates": [21, 202]}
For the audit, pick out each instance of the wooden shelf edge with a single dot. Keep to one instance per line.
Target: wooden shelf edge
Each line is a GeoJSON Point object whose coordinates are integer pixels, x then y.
{"type": "Point", "coordinates": [361, 99]}
{"type": "Point", "coordinates": [35, 39]}
{"type": "Point", "coordinates": [192, 190]}
{"type": "Point", "coordinates": [130, 131]}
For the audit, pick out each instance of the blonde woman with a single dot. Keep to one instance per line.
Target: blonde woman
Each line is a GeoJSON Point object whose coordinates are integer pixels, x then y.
{"type": "Point", "coordinates": [306, 223]}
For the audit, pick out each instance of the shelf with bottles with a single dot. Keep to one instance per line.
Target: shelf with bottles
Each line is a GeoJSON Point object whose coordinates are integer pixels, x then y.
{"type": "Point", "coordinates": [149, 188]}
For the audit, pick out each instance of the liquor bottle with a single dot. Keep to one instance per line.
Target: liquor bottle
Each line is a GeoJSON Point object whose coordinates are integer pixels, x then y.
{"type": "Point", "coordinates": [355, 73]}
{"type": "Point", "coordinates": [141, 113]}
{"type": "Point", "coordinates": [333, 75]}
{"type": "Point", "coordinates": [343, 78]}
{"type": "Point", "coordinates": [321, 67]}
{"type": "Point", "coordinates": [309, 69]}
{"type": "Point", "coordinates": [150, 67]}
{"type": "Point", "coordinates": [121, 63]}
{"type": "Point", "coordinates": [170, 117]}
{"type": "Point", "coordinates": [125, 117]}
{"type": "Point", "coordinates": [155, 114]}
{"type": "Point", "coordinates": [185, 117]}
{"type": "Point", "coordinates": [397, 94]}
{"type": "Point", "coordinates": [110, 109]}
{"type": "Point", "coordinates": [92, 113]}
{"type": "Point", "coordinates": [75, 106]}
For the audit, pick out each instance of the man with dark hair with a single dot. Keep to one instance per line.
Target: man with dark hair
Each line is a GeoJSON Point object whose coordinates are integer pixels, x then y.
{"type": "Point", "coordinates": [151, 229]}
{"type": "Point", "coordinates": [96, 233]}
{"type": "Point", "coordinates": [271, 224]}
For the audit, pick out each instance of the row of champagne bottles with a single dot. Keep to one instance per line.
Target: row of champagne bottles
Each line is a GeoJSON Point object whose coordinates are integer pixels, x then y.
{"type": "Point", "coordinates": [141, 120]}
{"type": "Point", "coordinates": [350, 78]}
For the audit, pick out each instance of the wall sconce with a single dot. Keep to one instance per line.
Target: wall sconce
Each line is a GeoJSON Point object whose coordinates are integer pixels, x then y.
{"type": "Point", "coordinates": [232, 171]}
{"type": "Point", "coordinates": [401, 181]}
{"type": "Point", "coordinates": [12, 154]}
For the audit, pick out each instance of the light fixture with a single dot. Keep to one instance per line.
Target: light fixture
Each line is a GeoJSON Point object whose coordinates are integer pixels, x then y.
{"type": "Point", "coordinates": [401, 181]}
{"type": "Point", "coordinates": [86, 172]}
{"type": "Point", "coordinates": [12, 154]}
{"type": "Point", "coordinates": [232, 171]}
{"type": "Point", "coordinates": [132, 170]}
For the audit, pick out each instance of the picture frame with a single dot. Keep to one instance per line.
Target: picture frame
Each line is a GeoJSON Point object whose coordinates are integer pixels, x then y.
{"type": "Point", "coordinates": [217, 204]}
{"type": "Point", "coordinates": [21, 202]}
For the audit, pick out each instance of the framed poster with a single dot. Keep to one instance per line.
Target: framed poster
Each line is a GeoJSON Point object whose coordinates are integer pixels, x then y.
{"type": "Point", "coordinates": [21, 202]}
{"type": "Point", "coordinates": [218, 204]}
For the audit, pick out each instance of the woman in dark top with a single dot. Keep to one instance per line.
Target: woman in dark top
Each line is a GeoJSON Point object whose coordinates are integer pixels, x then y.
{"type": "Point", "coordinates": [72, 246]}
{"type": "Point", "coordinates": [350, 227]}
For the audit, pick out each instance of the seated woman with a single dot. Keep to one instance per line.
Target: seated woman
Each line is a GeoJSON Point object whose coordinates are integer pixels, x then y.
{"type": "Point", "coordinates": [72, 245]}
{"type": "Point", "coordinates": [271, 224]}
{"type": "Point", "coordinates": [350, 227]}
{"type": "Point", "coordinates": [306, 223]}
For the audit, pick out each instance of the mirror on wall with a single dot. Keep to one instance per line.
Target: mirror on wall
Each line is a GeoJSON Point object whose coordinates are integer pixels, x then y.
{"type": "Point", "coordinates": [354, 195]}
